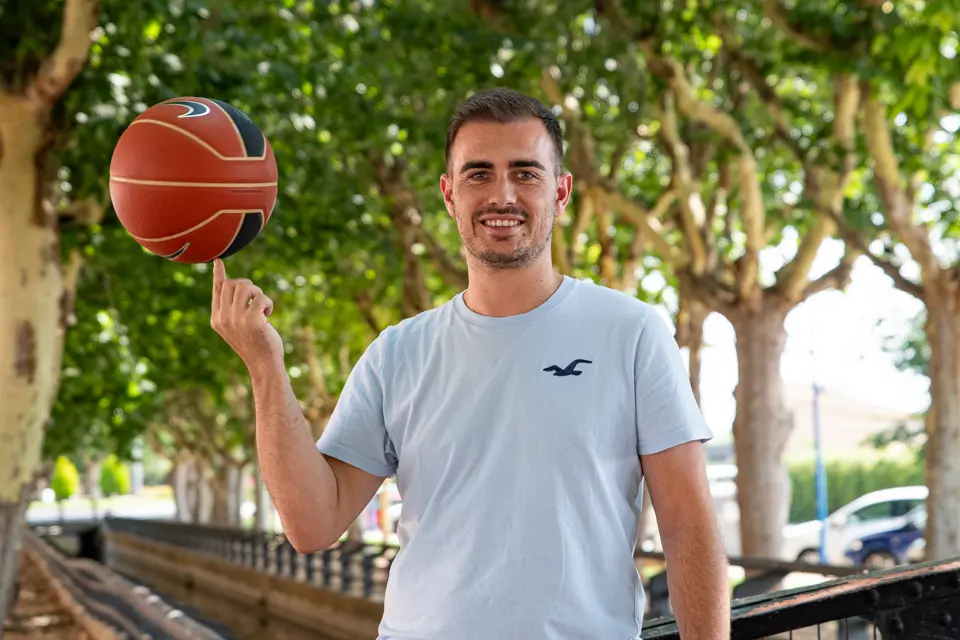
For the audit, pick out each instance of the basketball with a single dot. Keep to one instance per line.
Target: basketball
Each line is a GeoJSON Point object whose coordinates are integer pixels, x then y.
{"type": "Point", "coordinates": [193, 179]}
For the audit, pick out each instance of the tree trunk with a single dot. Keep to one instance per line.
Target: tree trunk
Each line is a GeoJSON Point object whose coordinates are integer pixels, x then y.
{"type": "Point", "coordinates": [91, 484]}
{"type": "Point", "coordinates": [180, 479]}
{"type": "Point", "coordinates": [943, 438]}
{"type": "Point", "coordinates": [35, 305]}
{"type": "Point", "coordinates": [11, 529]}
{"type": "Point", "coordinates": [225, 485]}
{"type": "Point", "coordinates": [761, 428]}
{"type": "Point", "coordinates": [263, 522]}
{"type": "Point", "coordinates": [203, 494]}
{"type": "Point", "coordinates": [354, 540]}
{"type": "Point", "coordinates": [690, 318]}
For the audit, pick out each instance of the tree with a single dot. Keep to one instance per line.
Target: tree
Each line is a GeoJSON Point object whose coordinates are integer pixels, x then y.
{"type": "Point", "coordinates": [680, 143]}
{"type": "Point", "coordinates": [39, 64]}
{"type": "Point", "coordinates": [160, 318]}
{"type": "Point", "coordinates": [906, 223]}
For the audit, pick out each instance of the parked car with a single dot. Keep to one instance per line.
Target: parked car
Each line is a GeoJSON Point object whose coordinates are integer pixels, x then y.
{"type": "Point", "coordinates": [899, 545]}
{"type": "Point", "coordinates": [874, 512]}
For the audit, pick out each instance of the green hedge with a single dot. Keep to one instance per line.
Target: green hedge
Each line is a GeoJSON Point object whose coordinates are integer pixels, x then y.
{"type": "Point", "coordinates": [848, 479]}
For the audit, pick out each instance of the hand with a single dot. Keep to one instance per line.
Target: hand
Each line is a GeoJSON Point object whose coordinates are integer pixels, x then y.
{"type": "Point", "coordinates": [239, 314]}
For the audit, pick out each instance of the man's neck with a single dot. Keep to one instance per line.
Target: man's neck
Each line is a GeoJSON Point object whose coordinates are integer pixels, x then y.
{"type": "Point", "coordinates": [510, 292]}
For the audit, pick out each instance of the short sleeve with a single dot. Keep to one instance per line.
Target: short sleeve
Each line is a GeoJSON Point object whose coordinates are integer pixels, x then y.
{"type": "Point", "coordinates": [667, 412]}
{"type": "Point", "coordinates": [356, 432]}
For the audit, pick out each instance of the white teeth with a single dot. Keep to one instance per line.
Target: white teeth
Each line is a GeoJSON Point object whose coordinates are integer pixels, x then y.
{"type": "Point", "coordinates": [501, 223]}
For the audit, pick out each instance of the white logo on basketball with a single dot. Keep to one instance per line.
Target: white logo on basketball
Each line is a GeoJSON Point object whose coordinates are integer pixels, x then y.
{"type": "Point", "coordinates": [196, 109]}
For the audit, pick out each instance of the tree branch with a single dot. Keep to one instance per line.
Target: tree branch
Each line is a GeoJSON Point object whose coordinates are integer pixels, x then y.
{"type": "Point", "coordinates": [898, 207]}
{"type": "Point", "coordinates": [753, 214]}
{"type": "Point", "coordinates": [853, 239]}
{"type": "Point", "coordinates": [607, 261]}
{"type": "Point", "coordinates": [62, 66]}
{"type": "Point", "coordinates": [449, 270]}
{"type": "Point", "coordinates": [692, 213]}
{"type": "Point", "coordinates": [647, 223]}
{"type": "Point", "coordinates": [829, 184]}
{"type": "Point", "coordinates": [836, 278]}
{"type": "Point", "coordinates": [775, 12]}
{"type": "Point", "coordinates": [713, 293]}
{"type": "Point", "coordinates": [750, 70]}
{"type": "Point", "coordinates": [404, 211]}
{"type": "Point", "coordinates": [366, 310]}
{"type": "Point", "coordinates": [718, 200]}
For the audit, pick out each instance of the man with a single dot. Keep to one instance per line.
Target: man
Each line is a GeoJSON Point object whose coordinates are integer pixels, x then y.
{"type": "Point", "coordinates": [519, 419]}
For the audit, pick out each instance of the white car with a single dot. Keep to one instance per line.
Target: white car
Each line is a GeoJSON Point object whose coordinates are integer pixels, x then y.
{"type": "Point", "coordinates": [876, 511]}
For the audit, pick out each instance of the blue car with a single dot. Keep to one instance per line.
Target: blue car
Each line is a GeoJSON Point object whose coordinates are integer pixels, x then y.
{"type": "Point", "coordinates": [902, 545]}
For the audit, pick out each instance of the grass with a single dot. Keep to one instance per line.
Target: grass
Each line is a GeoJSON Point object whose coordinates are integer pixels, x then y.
{"type": "Point", "coordinates": [39, 510]}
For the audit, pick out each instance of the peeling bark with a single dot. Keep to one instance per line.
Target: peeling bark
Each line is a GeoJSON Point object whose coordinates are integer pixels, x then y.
{"type": "Point", "coordinates": [31, 336]}
{"type": "Point", "coordinates": [32, 284]}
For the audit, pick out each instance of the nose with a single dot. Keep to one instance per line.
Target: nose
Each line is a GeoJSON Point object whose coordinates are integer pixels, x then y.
{"type": "Point", "coordinates": [502, 193]}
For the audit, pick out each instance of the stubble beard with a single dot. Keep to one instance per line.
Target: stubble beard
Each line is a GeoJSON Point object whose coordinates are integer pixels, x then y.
{"type": "Point", "coordinates": [523, 256]}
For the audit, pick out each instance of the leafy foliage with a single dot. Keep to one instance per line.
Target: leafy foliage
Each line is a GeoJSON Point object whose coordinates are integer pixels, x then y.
{"type": "Point", "coordinates": [703, 137]}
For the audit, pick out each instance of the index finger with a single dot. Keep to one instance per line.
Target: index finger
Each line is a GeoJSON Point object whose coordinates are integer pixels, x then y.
{"type": "Point", "coordinates": [219, 275]}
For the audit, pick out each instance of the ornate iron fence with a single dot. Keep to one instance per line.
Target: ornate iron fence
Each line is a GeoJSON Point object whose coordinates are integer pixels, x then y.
{"type": "Point", "coordinates": [359, 570]}
{"type": "Point", "coordinates": [917, 602]}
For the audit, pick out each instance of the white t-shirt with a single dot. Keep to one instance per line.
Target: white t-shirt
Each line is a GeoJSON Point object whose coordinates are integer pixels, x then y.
{"type": "Point", "coordinates": [515, 445]}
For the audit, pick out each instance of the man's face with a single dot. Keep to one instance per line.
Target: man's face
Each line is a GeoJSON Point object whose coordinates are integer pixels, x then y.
{"type": "Point", "coordinates": [503, 191]}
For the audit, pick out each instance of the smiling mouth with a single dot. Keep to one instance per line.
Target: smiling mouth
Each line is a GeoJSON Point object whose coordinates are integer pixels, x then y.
{"type": "Point", "coordinates": [502, 223]}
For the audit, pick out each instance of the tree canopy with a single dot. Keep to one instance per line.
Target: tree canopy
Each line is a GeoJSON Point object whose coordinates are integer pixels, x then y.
{"type": "Point", "coordinates": [714, 146]}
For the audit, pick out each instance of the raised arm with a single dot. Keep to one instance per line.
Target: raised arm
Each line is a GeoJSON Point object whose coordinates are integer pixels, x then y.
{"type": "Point", "coordinates": [317, 498]}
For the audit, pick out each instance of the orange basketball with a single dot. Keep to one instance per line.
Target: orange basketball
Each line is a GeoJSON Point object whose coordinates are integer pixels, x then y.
{"type": "Point", "coordinates": [193, 179]}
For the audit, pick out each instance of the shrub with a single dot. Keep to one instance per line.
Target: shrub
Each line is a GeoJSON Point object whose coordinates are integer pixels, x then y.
{"type": "Point", "coordinates": [114, 477]}
{"type": "Point", "coordinates": [65, 481]}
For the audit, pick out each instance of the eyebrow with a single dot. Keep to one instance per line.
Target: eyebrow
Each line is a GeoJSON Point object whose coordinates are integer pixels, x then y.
{"type": "Point", "coordinates": [514, 164]}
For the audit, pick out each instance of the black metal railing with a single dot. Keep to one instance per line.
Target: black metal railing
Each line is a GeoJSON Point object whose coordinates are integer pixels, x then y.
{"type": "Point", "coordinates": [358, 570]}
{"type": "Point", "coordinates": [918, 601]}
{"type": "Point", "coordinates": [915, 602]}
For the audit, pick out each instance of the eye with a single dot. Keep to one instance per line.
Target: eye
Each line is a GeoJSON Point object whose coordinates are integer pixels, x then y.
{"type": "Point", "coordinates": [479, 175]}
{"type": "Point", "coordinates": [526, 175]}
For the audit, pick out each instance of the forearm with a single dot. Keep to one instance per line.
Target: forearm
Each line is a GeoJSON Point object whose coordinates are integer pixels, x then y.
{"type": "Point", "coordinates": [698, 581]}
{"type": "Point", "coordinates": [301, 482]}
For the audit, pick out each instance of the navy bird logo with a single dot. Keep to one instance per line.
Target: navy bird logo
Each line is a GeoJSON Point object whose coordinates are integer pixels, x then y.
{"type": "Point", "coordinates": [569, 370]}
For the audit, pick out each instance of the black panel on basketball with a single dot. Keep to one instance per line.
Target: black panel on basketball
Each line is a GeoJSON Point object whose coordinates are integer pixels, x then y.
{"type": "Point", "coordinates": [250, 133]}
{"type": "Point", "coordinates": [249, 228]}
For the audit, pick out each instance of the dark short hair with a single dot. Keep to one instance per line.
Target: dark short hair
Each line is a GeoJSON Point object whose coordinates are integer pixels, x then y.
{"type": "Point", "coordinates": [504, 106]}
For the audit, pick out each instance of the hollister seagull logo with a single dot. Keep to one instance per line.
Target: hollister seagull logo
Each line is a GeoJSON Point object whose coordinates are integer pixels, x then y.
{"type": "Point", "coordinates": [196, 109]}
{"type": "Point", "coordinates": [569, 370]}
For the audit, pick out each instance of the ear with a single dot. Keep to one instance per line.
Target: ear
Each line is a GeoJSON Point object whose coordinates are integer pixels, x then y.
{"type": "Point", "coordinates": [446, 188]}
{"type": "Point", "coordinates": [564, 192]}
